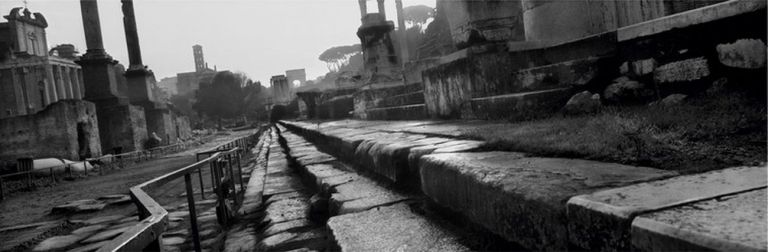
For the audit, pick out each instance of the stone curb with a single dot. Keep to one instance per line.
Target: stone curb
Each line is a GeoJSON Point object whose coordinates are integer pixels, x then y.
{"type": "Point", "coordinates": [392, 155]}
{"type": "Point", "coordinates": [601, 220]}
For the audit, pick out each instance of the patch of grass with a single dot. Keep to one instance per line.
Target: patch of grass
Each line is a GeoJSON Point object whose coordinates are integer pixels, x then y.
{"type": "Point", "coordinates": [704, 133]}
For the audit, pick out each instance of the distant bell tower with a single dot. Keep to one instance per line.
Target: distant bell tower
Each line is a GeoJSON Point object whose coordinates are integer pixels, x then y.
{"type": "Point", "coordinates": [199, 60]}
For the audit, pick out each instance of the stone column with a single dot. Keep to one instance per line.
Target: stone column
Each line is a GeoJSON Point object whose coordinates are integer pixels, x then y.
{"type": "Point", "coordinates": [131, 35]}
{"type": "Point", "coordinates": [98, 77]}
{"type": "Point", "coordinates": [363, 8]}
{"type": "Point", "coordinates": [92, 26]}
{"type": "Point", "coordinates": [401, 28]}
{"type": "Point", "coordinates": [381, 9]}
{"type": "Point", "coordinates": [137, 75]}
{"type": "Point", "coordinates": [75, 83]}
{"type": "Point", "coordinates": [67, 81]}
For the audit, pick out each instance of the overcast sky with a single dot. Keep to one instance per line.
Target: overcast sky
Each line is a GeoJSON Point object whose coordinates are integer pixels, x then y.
{"type": "Point", "coordinates": [259, 37]}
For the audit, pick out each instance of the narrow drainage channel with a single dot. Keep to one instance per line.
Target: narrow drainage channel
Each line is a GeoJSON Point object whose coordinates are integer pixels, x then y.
{"type": "Point", "coordinates": [286, 220]}
{"type": "Point", "coordinates": [299, 212]}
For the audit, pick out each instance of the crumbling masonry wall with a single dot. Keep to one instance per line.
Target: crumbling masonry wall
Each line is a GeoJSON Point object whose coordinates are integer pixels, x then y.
{"type": "Point", "coordinates": [65, 129]}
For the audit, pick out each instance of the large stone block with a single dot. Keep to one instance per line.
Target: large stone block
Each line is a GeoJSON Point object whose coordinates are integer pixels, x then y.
{"type": "Point", "coordinates": [601, 221]}
{"type": "Point", "coordinates": [475, 22]}
{"type": "Point", "coordinates": [518, 106]}
{"type": "Point", "coordinates": [521, 199]}
{"type": "Point", "coordinates": [403, 230]}
{"type": "Point", "coordinates": [727, 223]}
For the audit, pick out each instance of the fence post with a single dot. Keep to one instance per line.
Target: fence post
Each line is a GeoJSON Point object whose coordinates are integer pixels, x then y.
{"type": "Point", "coordinates": [2, 194]}
{"type": "Point", "coordinates": [202, 186]}
{"type": "Point", "coordinates": [192, 212]}
{"type": "Point", "coordinates": [232, 176]}
{"type": "Point", "coordinates": [240, 171]}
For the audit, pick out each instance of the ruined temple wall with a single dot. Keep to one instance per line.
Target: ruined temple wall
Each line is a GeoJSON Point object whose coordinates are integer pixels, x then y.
{"type": "Point", "coordinates": [127, 128]}
{"type": "Point", "coordinates": [183, 127]}
{"type": "Point", "coordinates": [159, 121]}
{"type": "Point", "coordinates": [65, 129]}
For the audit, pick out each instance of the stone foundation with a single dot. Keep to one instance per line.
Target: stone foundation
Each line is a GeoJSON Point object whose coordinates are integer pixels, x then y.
{"type": "Point", "coordinates": [65, 129]}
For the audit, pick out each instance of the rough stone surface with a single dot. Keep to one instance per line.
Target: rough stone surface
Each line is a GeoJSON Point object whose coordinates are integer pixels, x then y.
{"type": "Point", "coordinates": [102, 219]}
{"type": "Point", "coordinates": [601, 220]}
{"type": "Point", "coordinates": [403, 230]}
{"type": "Point", "coordinates": [89, 247]}
{"type": "Point", "coordinates": [313, 239]}
{"type": "Point", "coordinates": [681, 71]}
{"type": "Point", "coordinates": [105, 235]}
{"type": "Point", "coordinates": [624, 89]}
{"type": "Point", "coordinates": [728, 223]}
{"type": "Point", "coordinates": [57, 242]}
{"type": "Point", "coordinates": [584, 102]}
{"type": "Point", "coordinates": [89, 229]}
{"type": "Point", "coordinates": [671, 100]}
{"type": "Point", "coordinates": [744, 53]}
{"type": "Point", "coordinates": [79, 206]}
{"type": "Point", "coordinates": [521, 199]}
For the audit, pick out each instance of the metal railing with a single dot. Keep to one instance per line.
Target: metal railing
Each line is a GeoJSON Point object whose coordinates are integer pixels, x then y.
{"type": "Point", "coordinates": [223, 162]}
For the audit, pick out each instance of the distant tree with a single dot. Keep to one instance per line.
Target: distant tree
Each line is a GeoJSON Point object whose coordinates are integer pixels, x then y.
{"type": "Point", "coordinates": [223, 97]}
{"type": "Point", "coordinates": [338, 56]}
{"type": "Point", "coordinates": [418, 15]}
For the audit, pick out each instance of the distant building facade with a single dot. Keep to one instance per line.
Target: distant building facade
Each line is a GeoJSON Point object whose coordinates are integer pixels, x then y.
{"type": "Point", "coordinates": [31, 77]}
{"type": "Point", "coordinates": [189, 82]}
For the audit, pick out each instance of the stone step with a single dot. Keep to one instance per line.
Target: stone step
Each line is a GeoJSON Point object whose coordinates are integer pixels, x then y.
{"type": "Point", "coordinates": [416, 97]}
{"type": "Point", "coordinates": [520, 198]}
{"type": "Point", "coordinates": [405, 112]}
{"type": "Point", "coordinates": [518, 106]}
{"type": "Point", "coordinates": [604, 219]}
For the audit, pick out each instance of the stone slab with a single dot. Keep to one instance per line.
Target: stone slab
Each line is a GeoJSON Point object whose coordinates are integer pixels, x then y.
{"type": "Point", "coordinates": [402, 231]}
{"type": "Point", "coordinates": [314, 239]}
{"type": "Point", "coordinates": [106, 235]}
{"type": "Point", "coordinates": [519, 198]}
{"type": "Point", "coordinates": [57, 242]}
{"type": "Point", "coordinates": [89, 247]}
{"type": "Point", "coordinates": [601, 220]}
{"type": "Point", "coordinates": [360, 195]}
{"type": "Point", "coordinates": [100, 219]}
{"type": "Point", "coordinates": [286, 210]}
{"type": "Point", "coordinates": [729, 223]}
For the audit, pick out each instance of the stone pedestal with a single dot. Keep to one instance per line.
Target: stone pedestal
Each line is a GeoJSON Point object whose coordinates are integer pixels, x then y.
{"type": "Point", "coordinates": [139, 86]}
{"type": "Point", "coordinates": [380, 61]}
{"type": "Point", "coordinates": [480, 21]}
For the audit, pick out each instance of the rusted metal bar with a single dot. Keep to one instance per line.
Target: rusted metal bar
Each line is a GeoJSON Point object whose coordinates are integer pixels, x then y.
{"type": "Point", "coordinates": [192, 211]}
{"type": "Point", "coordinates": [231, 176]}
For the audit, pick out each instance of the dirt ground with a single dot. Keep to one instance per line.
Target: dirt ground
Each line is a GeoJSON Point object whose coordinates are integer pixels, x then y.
{"type": "Point", "coordinates": [35, 206]}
